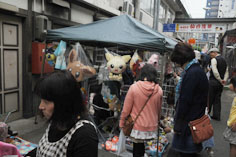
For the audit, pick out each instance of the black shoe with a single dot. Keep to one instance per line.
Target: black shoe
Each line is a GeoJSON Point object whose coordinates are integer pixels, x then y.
{"type": "Point", "coordinates": [218, 119]}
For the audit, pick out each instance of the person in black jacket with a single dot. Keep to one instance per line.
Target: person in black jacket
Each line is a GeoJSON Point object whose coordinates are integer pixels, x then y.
{"type": "Point", "coordinates": [70, 133]}
{"type": "Point", "coordinates": [191, 99]}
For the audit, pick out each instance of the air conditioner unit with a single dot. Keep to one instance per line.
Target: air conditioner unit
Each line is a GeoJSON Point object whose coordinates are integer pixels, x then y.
{"type": "Point", "coordinates": [41, 27]}
{"type": "Point", "coordinates": [128, 8]}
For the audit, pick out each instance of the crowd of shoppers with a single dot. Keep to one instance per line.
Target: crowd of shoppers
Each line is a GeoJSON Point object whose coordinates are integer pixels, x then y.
{"type": "Point", "coordinates": [71, 133]}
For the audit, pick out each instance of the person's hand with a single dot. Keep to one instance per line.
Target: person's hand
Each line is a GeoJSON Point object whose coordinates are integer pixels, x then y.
{"type": "Point", "coordinates": [233, 127]}
{"type": "Point", "coordinates": [223, 82]}
{"type": "Point", "coordinates": [175, 75]}
{"type": "Point", "coordinates": [208, 69]}
{"type": "Point", "coordinates": [167, 129]}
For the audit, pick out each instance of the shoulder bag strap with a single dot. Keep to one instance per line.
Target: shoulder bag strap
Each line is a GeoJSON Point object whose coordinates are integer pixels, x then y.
{"type": "Point", "coordinates": [142, 107]}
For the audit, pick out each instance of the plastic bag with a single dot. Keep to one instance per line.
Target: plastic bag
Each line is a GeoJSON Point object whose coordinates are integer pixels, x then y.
{"type": "Point", "coordinates": [3, 131]}
{"type": "Point", "coordinates": [59, 52]}
{"type": "Point", "coordinates": [121, 143]}
{"type": "Point", "coordinates": [81, 55]}
{"type": "Point", "coordinates": [103, 73]}
{"type": "Point", "coordinates": [79, 64]}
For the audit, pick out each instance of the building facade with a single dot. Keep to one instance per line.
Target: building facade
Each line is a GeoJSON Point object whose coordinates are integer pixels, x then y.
{"type": "Point", "coordinates": [206, 31]}
{"type": "Point", "coordinates": [220, 9]}
{"type": "Point", "coordinates": [227, 9]}
{"type": "Point", "coordinates": [212, 8]}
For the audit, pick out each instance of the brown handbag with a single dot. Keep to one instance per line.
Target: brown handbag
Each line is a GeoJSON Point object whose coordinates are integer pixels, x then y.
{"type": "Point", "coordinates": [129, 122]}
{"type": "Point", "coordinates": [201, 129]}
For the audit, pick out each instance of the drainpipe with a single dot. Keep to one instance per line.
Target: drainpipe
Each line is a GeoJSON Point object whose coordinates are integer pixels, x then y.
{"type": "Point", "coordinates": [137, 9]}
{"type": "Point", "coordinates": [156, 14]}
{"type": "Point", "coordinates": [43, 9]}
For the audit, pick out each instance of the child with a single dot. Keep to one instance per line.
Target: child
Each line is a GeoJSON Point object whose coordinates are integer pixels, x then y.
{"type": "Point", "coordinates": [230, 132]}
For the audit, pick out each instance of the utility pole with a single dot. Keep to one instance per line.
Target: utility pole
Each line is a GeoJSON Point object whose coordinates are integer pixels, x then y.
{"type": "Point", "coordinates": [156, 14]}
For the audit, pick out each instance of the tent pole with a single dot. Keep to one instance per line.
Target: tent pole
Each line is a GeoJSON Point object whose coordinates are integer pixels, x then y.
{"type": "Point", "coordinates": [163, 63]}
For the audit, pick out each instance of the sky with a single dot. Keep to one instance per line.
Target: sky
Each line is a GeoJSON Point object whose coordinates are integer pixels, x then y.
{"type": "Point", "coordinates": [195, 7]}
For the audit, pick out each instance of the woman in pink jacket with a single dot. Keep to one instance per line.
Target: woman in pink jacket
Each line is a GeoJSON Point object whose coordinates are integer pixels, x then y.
{"type": "Point", "coordinates": [145, 127]}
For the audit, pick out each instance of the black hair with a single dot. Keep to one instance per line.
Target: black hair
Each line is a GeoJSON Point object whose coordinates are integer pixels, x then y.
{"type": "Point", "coordinates": [63, 90]}
{"type": "Point", "coordinates": [149, 72]}
{"type": "Point", "coordinates": [182, 53]}
{"type": "Point", "coordinates": [233, 81]}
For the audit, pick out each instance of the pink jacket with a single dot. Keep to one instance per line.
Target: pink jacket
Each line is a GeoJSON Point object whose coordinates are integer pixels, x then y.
{"type": "Point", "coordinates": [8, 149]}
{"type": "Point", "coordinates": [136, 97]}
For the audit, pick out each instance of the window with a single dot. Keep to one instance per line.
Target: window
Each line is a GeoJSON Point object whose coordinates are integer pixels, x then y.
{"type": "Point", "coordinates": [214, 8]}
{"type": "Point", "coordinates": [170, 16]}
{"type": "Point", "coordinates": [162, 11]}
{"type": "Point", "coordinates": [147, 6]}
{"type": "Point", "coordinates": [214, 14]}
{"type": "Point", "coordinates": [215, 3]}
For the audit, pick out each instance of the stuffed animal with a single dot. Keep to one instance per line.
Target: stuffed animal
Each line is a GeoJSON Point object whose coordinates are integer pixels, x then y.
{"type": "Point", "coordinates": [50, 57]}
{"type": "Point", "coordinates": [79, 70]}
{"type": "Point", "coordinates": [116, 65]}
{"type": "Point", "coordinates": [154, 60]}
{"type": "Point", "coordinates": [135, 64]}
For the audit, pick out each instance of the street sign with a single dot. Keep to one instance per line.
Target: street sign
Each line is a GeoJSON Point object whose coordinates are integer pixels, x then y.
{"type": "Point", "coordinates": [168, 27]}
{"type": "Point", "coordinates": [201, 27]}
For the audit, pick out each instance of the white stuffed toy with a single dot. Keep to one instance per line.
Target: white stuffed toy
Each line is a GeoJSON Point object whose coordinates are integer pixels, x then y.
{"type": "Point", "coordinates": [116, 65]}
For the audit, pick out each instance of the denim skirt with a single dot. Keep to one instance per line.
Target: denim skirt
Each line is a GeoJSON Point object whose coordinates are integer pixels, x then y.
{"type": "Point", "coordinates": [184, 144]}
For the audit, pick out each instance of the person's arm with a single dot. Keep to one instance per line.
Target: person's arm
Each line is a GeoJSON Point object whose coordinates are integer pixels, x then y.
{"type": "Point", "coordinates": [226, 76]}
{"type": "Point", "coordinates": [187, 88]}
{"type": "Point", "coordinates": [128, 104]}
{"type": "Point", "coordinates": [84, 142]}
{"type": "Point", "coordinates": [233, 127]}
{"type": "Point", "coordinates": [215, 70]}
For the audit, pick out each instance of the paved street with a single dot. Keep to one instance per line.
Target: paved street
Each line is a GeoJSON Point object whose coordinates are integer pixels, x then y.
{"type": "Point", "coordinates": [33, 132]}
{"type": "Point", "coordinates": [221, 147]}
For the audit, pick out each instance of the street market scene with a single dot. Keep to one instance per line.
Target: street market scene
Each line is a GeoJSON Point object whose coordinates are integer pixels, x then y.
{"type": "Point", "coordinates": [141, 78]}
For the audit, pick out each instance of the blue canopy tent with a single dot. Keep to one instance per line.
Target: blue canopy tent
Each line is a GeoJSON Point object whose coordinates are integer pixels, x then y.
{"type": "Point", "coordinates": [122, 31]}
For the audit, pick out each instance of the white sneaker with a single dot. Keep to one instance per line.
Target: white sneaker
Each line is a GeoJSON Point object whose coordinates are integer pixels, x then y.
{"type": "Point", "coordinates": [210, 152]}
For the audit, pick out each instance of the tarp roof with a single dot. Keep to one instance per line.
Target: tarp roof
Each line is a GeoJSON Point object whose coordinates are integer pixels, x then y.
{"type": "Point", "coordinates": [123, 31]}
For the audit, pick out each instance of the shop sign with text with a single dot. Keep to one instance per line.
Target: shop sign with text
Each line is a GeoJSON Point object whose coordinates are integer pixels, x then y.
{"type": "Point", "coordinates": [201, 27]}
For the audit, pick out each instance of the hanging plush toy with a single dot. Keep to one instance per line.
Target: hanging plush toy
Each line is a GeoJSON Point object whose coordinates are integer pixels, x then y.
{"type": "Point", "coordinates": [135, 63]}
{"type": "Point", "coordinates": [154, 60]}
{"type": "Point", "coordinates": [79, 70]}
{"type": "Point", "coordinates": [50, 57]}
{"type": "Point", "coordinates": [116, 65]}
